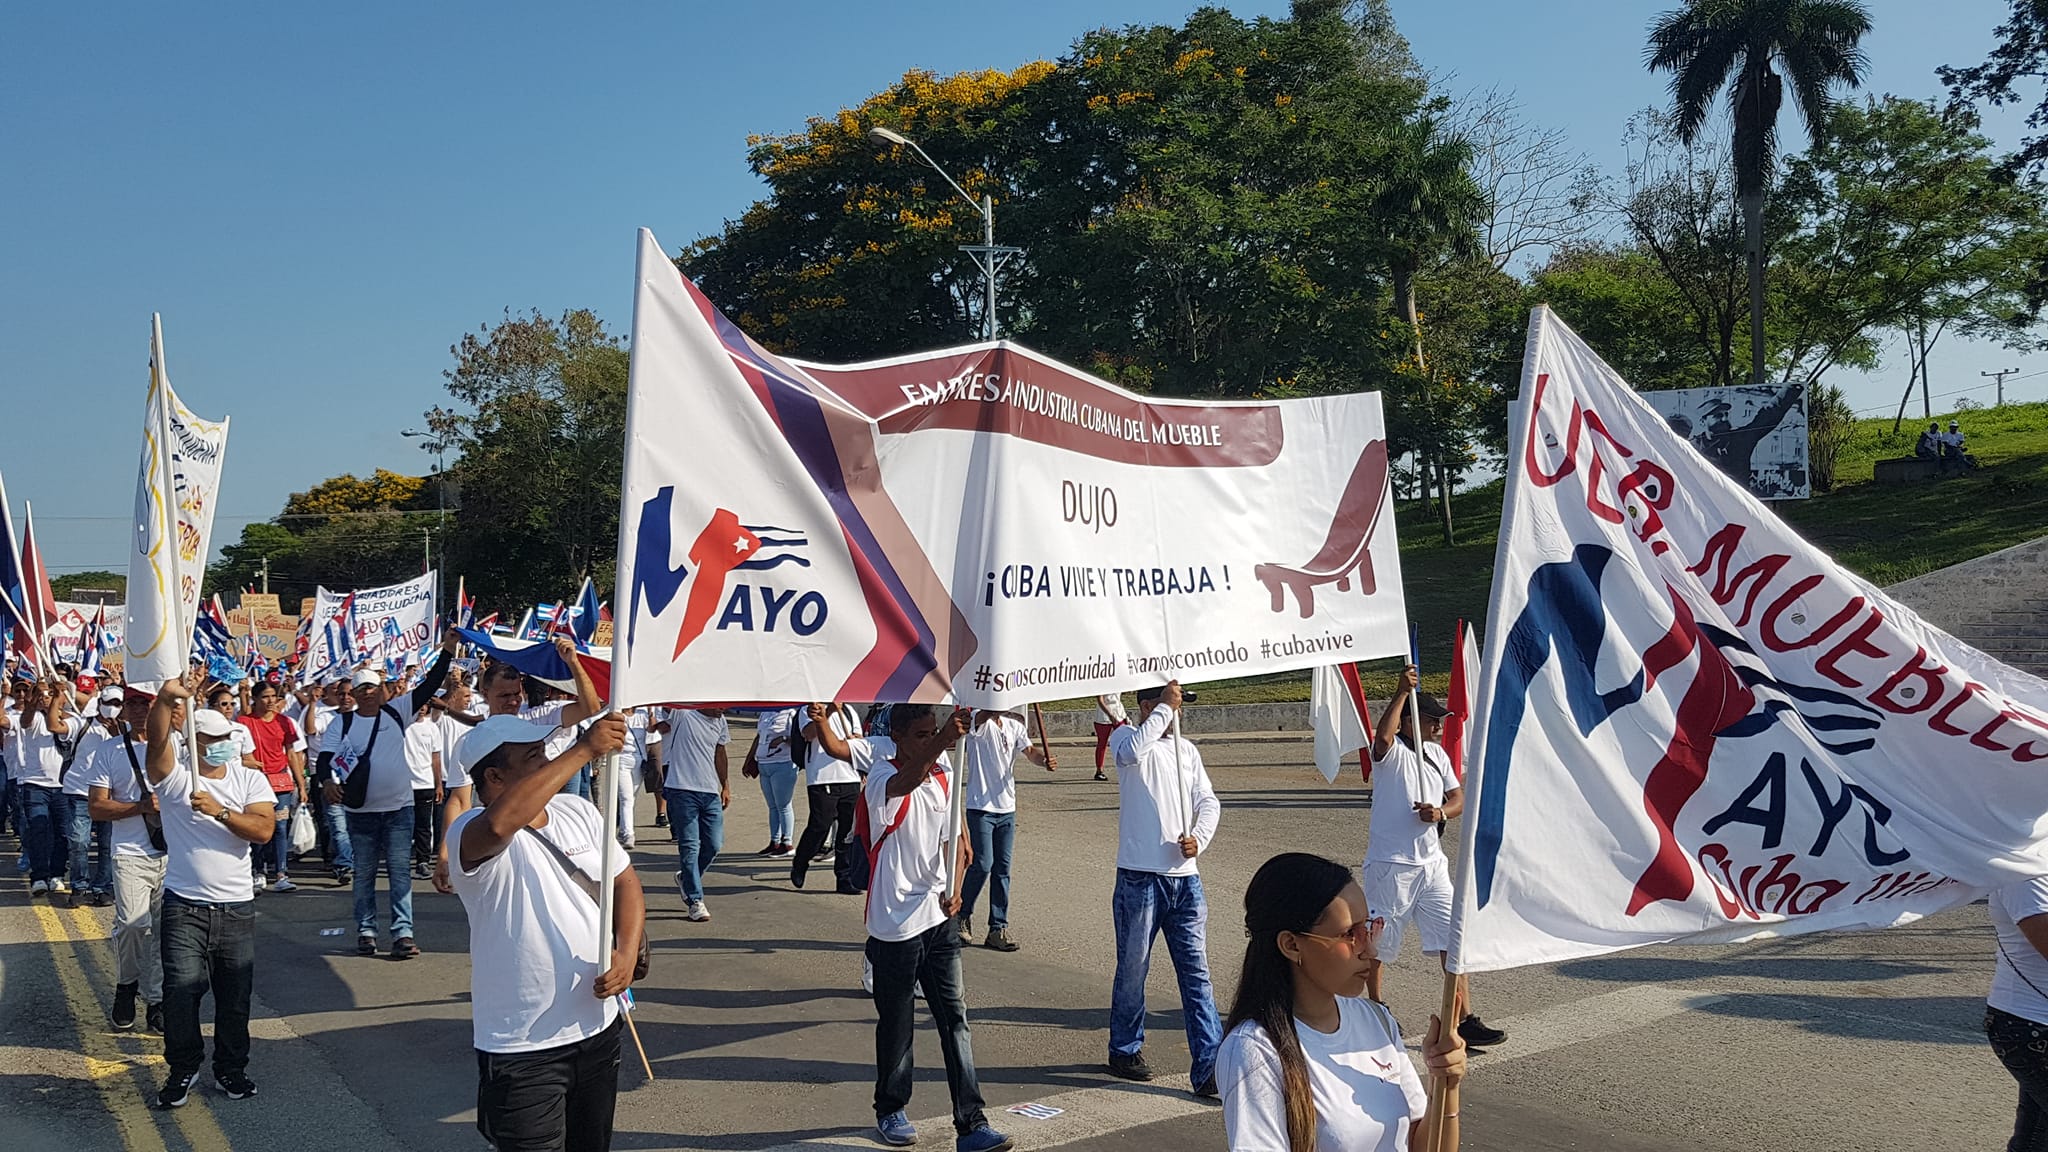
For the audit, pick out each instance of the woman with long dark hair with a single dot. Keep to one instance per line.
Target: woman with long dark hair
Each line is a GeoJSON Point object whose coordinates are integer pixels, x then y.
{"type": "Point", "coordinates": [1307, 1064]}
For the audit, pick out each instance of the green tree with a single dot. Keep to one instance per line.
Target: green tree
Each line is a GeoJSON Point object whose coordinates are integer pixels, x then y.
{"type": "Point", "coordinates": [1743, 45]}
{"type": "Point", "coordinates": [540, 418]}
{"type": "Point", "coordinates": [65, 587]}
{"type": "Point", "coordinates": [344, 532]}
{"type": "Point", "coordinates": [1902, 218]}
{"type": "Point", "coordinates": [1621, 301]}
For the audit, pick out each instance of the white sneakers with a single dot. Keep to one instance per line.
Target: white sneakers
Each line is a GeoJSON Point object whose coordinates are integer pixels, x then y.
{"type": "Point", "coordinates": [260, 882]}
{"type": "Point", "coordinates": [698, 912]}
{"type": "Point", "coordinates": [39, 888]}
{"type": "Point", "coordinates": [284, 884]}
{"type": "Point", "coordinates": [59, 886]}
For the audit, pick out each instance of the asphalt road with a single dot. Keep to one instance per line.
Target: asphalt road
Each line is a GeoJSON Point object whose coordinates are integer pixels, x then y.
{"type": "Point", "coordinates": [761, 1039]}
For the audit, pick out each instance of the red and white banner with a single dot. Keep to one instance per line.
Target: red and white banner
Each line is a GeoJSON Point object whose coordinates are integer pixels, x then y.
{"type": "Point", "coordinates": [1337, 715]}
{"type": "Point", "coordinates": [979, 523]}
{"type": "Point", "coordinates": [1699, 727]}
{"type": "Point", "coordinates": [1459, 725]}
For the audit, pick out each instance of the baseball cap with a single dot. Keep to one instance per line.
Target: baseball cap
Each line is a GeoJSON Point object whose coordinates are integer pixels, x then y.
{"type": "Point", "coordinates": [492, 733]}
{"type": "Point", "coordinates": [208, 722]}
{"type": "Point", "coordinates": [111, 695]}
{"type": "Point", "coordinates": [1155, 691]}
{"type": "Point", "coordinates": [366, 676]}
{"type": "Point", "coordinates": [1429, 706]}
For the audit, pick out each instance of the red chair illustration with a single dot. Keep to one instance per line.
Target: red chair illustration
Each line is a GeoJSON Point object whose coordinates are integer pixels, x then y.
{"type": "Point", "coordinates": [1344, 553]}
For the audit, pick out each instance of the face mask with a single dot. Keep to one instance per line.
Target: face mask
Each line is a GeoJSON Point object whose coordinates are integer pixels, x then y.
{"type": "Point", "coordinates": [220, 753]}
{"type": "Point", "coordinates": [110, 711]}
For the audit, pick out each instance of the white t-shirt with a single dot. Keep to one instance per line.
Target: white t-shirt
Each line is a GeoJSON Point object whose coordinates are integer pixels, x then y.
{"type": "Point", "coordinates": [909, 879]}
{"type": "Point", "coordinates": [423, 741]}
{"type": "Point", "coordinates": [110, 768]}
{"type": "Point", "coordinates": [778, 732]}
{"type": "Point", "coordinates": [2018, 960]}
{"type": "Point", "coordinates": [1366, 1090]}
{"type": "Point", "coordinates": [1396, 834]}
{"type": "Point", "coordinates": [37, 759]}
{"type": "Point", "coordinates": [992, 750]}
{"type": "Point", "coordinates": [1161, 792]}
{"type": "Point", "coordinates": [819, 766]}
{"type": "Point", "coordinates": [89, 742]}
{"type": "Point", "coordinates": [1110, 710]}
{"type": "Point", "coordinates": [207, 862]}
{"type": "Point", "coordinates": [390, 776]}
{"type": "Point", "coordinates": [533, 954]}
{"type": "Point", "coordinates": [694, 739]}
{"type": "Point", "coordinates": [452, 732]}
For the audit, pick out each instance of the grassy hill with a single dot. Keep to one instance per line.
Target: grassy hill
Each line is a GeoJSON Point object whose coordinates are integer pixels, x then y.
{"type": "Point", "coordinates": [1884, 532]}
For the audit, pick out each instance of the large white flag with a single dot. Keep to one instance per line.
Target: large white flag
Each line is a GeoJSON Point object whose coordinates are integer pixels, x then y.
{"type": "Point", "coordinates": [1337, 716]}
{"type": "Point", "coordinates": [396, 620]}
{"type": "Point", "coordinates": [1699, 727]}
{"type": "Point", "coordinates": [980, 520]}
{"type": "Point", "coordinates": [176, 487]}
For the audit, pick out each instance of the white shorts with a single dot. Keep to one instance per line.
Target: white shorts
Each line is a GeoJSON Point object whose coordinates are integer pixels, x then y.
{"type": "Point", "coordinates": [1399, 893]}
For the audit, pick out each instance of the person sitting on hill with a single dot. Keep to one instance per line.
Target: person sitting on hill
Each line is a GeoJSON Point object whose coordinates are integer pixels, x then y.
{"type": "Point", "coordinates": [1929, 446]}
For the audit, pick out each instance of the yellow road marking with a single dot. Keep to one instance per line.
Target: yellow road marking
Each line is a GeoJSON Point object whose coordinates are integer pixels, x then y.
{"type": "Point", "coordinates": [121, 1095]}
{"type": "Point", "coordinates": [196, 1120]}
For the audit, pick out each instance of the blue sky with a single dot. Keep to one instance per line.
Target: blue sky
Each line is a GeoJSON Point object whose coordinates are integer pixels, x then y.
{"type": "Point", "coordinates": [321, 199]}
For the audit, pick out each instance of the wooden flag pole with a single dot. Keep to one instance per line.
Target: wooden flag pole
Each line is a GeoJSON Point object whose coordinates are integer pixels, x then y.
{"type": "Point", "coordinates": [633, 1030]}
{"type": "Point", "coordinates": [1044, 742]}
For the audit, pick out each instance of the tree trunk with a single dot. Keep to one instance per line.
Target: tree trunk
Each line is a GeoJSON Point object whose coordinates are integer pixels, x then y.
{"type": "Point", "coordinates": [1403, 274]}
{"type": "Point", "coordinates": [1753, 226]}
{"type": "Point", "coordinates": [1912, 378]}
{"type": "Point", "coordinates": [1926, 401]}
{"type": "Point", "coordinates": [1443, 501]}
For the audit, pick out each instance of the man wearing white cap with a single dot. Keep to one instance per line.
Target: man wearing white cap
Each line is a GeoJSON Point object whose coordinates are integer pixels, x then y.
{"type": "Point", "coordinates": [528, 865]}
{"type": "Point", "coordinates": [207, 933]}
{"type": "Point", "coordinates": [92, 866]}
{"type": "Point", "coordinates": [116, 792]}
{"type": "Point", "coordinates": [363, 768]}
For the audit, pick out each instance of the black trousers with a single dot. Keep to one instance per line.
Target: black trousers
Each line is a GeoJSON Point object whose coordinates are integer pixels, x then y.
{"type": "Point", "coordinates": [554, 1100]}
{"type": "Point", "coordinates": [831, 814]}
{"type": "Point", "coordinates": [207, 948]}
{"type": "Point", "coordinates": [931, 957]}
{"type": "Point", "coordinates": [426, 826]}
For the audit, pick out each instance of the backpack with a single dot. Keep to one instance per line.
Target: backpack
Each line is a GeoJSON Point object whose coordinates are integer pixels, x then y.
{"type": "Point", "coordinates": [860, 870]}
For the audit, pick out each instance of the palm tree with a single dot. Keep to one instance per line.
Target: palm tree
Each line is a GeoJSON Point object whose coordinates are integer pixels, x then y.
{"type": "Point", "coordinates": [1428, 207]}
{"type": "Point", "coordinates": [1746, 44]}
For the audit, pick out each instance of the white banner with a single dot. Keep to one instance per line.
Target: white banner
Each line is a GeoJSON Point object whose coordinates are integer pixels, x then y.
{"type": "Point", "coordinates": [979, 524]}
{"type": "Point", "coordinates": [394, 621]}
{"type": "Point", "coordinates": [1699, 727]}
{"type": "Point", "coordinates": [1756, 433]}
{"type": "Point", "coordinates": [176, 488]}
{"type": "Point", "coordinates": [74, 619]}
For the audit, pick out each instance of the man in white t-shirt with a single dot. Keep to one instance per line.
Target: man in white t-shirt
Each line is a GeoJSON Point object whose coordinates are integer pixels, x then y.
{"type": "Point", "coordinates": [502, 689]}
{"type": "Point", "coordinates": [364, 768]}
{"type": "Point", "coordinates": [207, 929]}
{"type": "Point", "coordinates": [1167, 813]}
{"type": "Point", "coordinates": [913, 939]}
{"type": "Point", "coordinates": [423, 743]}
{"type": "Point", "coordinates": [698, 792]}
{"type": "Point", "coordinates": [543, 1000]}
{"type": "Point", "coordinates": [1406, 876]}
{"type": "Point", "coordinates": [39, 739]}
{"type": "Point", "coordinates": [117, 791]}
{"type": "Point", "coordinates": [832, 788]}
{"type": "Point", "coordinates": [90, 840]}
{"type": "Point", "coordinates": [324, 708]}
{"type": "Point", "coordinates": [993, 746]}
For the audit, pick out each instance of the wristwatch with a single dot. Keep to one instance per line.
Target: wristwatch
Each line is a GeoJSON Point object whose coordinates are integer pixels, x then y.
{"type": "Point", "coordinates": [222, 816]}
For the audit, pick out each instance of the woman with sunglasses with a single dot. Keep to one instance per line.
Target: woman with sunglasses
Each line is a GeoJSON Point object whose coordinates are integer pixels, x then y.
{"type": "Point", "coordinates": [1307, 1064]}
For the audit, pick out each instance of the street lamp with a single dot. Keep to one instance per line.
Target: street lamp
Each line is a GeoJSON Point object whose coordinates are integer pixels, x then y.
{"type": "Point", "coordinates": [987, 255]}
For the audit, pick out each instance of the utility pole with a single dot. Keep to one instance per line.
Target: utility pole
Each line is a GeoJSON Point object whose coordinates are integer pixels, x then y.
{"type": "Point", "coordinates": [266, 575]}
{"type": "Point", "coordinates": [2000, 376]}
{"type": "Point", "coordinates": [426, 550]}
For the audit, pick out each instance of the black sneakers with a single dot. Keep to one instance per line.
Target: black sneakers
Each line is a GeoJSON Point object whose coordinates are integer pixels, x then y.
{"type": "Point", "coordinates": [366, 945]}
{"type": "Point", "coordinates": [123, 1015]}
{"type": "Point", "coordinates": [403, 948]}
{"type": "Point", "coordinates": [176, 1090]}
{"type": "Point", "coordinates": [1474, 1032]}
{"type": "Point", "coordinates": [1206, 1090]}
{"type": "Point", "coordinates": [153, 1018]}
{"type": "Point", "coordinates": [237, 1085]}
{"type": "Point", "coordinates": [1132, 1067]}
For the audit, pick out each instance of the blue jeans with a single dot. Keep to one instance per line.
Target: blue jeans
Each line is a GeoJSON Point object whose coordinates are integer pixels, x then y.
{"type": "Point", "coordinates": [931, 958]}
{"type": "Point", "coordinates": [48, 811]}
{"type": "Point", "coordinates": [207, 948]}
{"type": "Point", "coordinates": [387, 835]}
{"type": "Point", "coordinates": [1146, 904]}
{"type": "Point", "coordinates": [993, 835]}
{"type": "Point", "coordinates": [280, 846]}
{"type": "Point", "coordinates": [91, 848]}
{"type": "Point", "coordinates": [778, 788]}
{"type": "Point", "coordinates": [698, 820]}
{"type": "Point", "coordinates": [338, 838]}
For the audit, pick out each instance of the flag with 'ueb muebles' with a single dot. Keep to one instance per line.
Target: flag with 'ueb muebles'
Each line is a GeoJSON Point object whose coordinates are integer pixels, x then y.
{"type": "Point", "coordinates": [1698, 727]}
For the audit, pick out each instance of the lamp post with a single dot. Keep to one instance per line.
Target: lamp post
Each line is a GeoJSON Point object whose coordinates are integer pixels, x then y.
{"type": "Point", "coordinates": [440, 500]}
{"type": "Point", "coordinates": [987, 255]}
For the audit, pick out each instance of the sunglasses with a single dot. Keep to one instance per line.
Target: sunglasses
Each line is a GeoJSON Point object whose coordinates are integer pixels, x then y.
{"type": "Point", "coordinates": [1360, 936]}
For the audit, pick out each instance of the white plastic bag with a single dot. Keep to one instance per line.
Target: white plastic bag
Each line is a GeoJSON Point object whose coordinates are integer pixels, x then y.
{"type": "Point", "coordinates": [305, 837]}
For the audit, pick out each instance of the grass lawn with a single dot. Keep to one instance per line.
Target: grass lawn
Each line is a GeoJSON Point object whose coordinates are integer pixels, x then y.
{"type": "Point", "coordinates": [1884, 533]}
